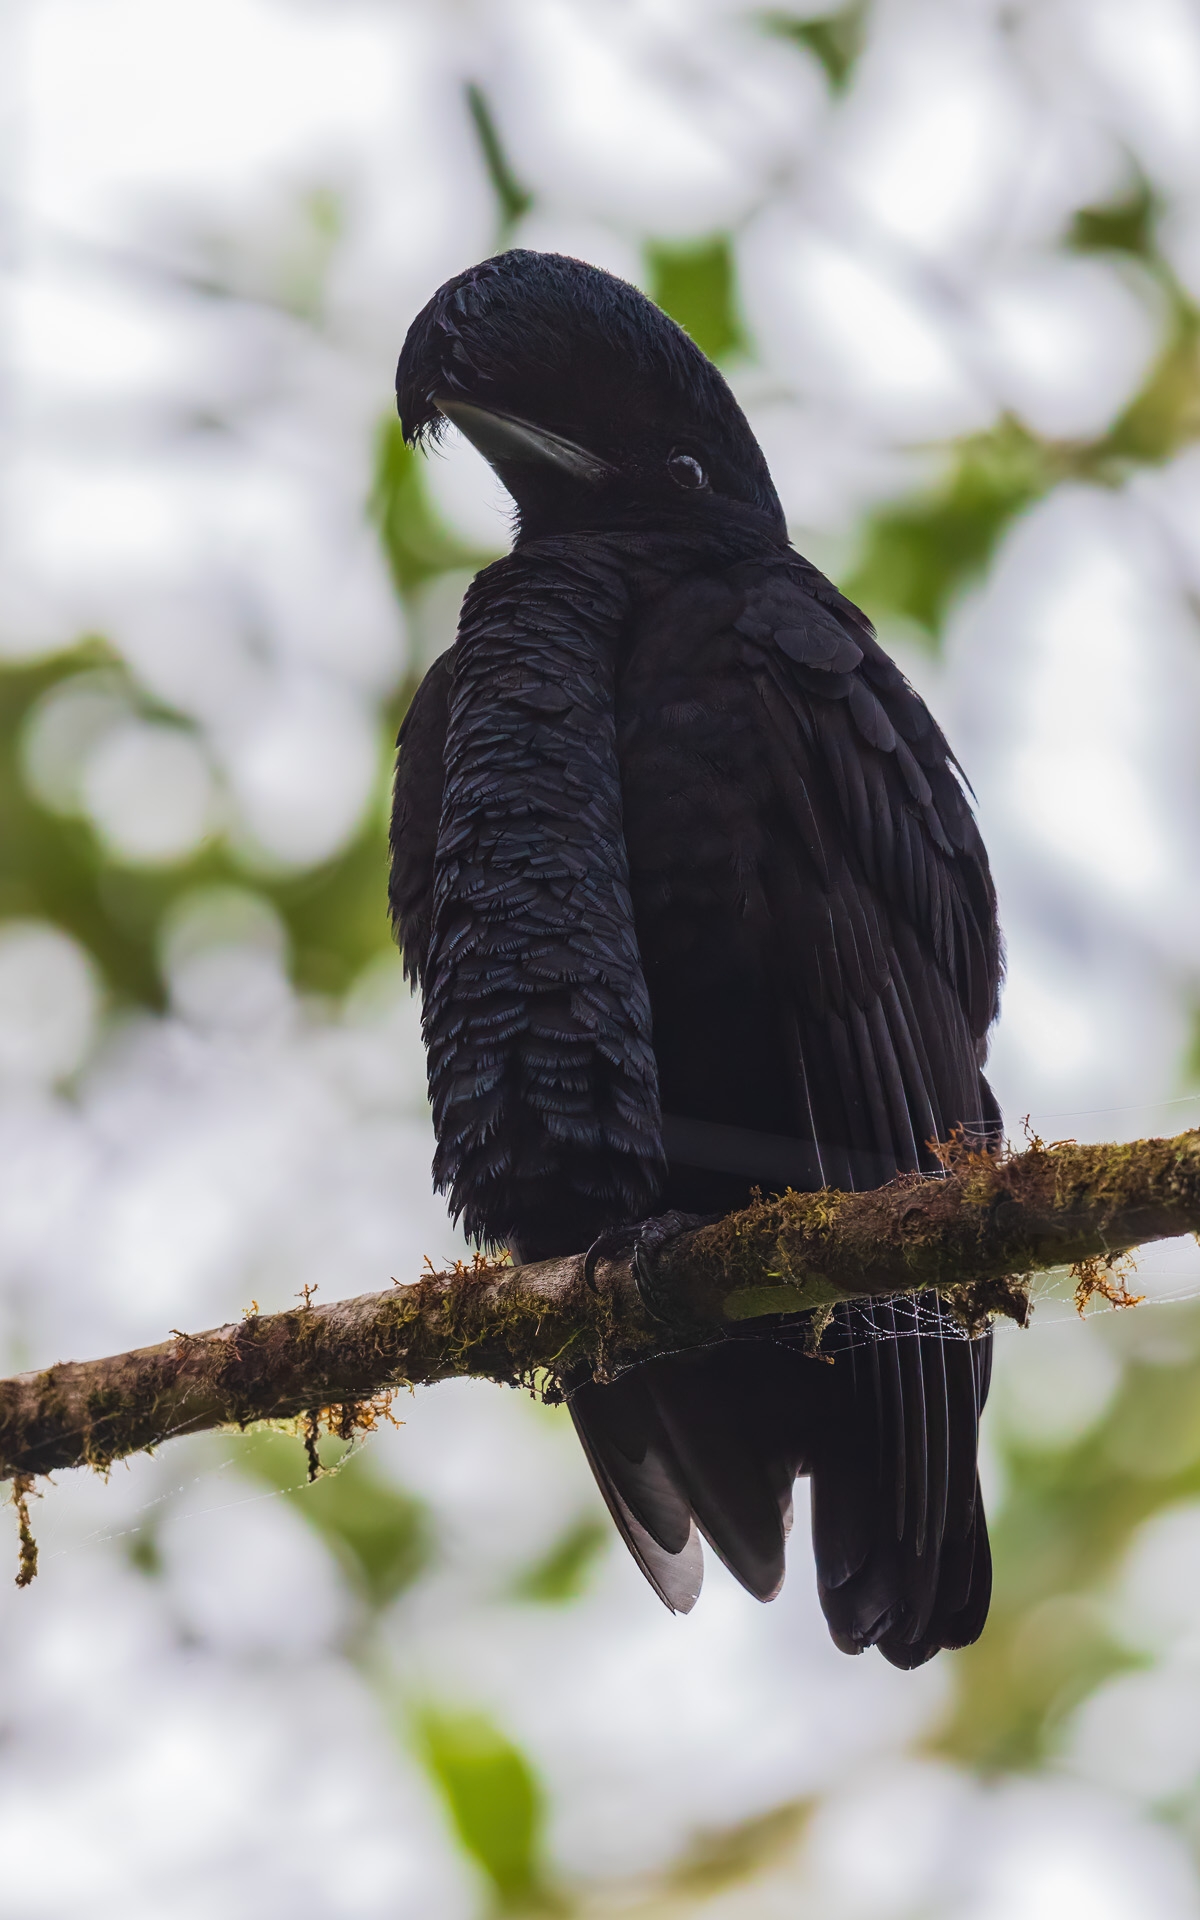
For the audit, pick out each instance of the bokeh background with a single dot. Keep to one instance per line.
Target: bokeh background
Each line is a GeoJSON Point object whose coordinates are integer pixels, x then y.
{"type": "Point", "coordinates": [948, 252]}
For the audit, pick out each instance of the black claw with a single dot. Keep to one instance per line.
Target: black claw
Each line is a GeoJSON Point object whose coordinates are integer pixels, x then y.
{"type": "Point", "coordinates": [615, 1243]}
{"type": "Point", "coordinates": [640, 1243]}
{"type": "Point", "coordinates": [644, 1241]}
{"type": "Point", "coordinates": [652, 1237]}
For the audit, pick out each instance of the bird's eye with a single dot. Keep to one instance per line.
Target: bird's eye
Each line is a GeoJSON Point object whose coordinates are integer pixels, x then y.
{"type": "Point", "coordinates": [686, 471]}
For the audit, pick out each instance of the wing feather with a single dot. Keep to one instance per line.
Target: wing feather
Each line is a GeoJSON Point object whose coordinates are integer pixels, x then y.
{"type": "Point", "coordinates": [869, 914]}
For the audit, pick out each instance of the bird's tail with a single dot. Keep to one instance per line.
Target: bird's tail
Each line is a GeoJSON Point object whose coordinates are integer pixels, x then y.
{"type": "Point", "coordinates": [710, 1442]}
{"type": "Point", "coordinates": [899, 1532]}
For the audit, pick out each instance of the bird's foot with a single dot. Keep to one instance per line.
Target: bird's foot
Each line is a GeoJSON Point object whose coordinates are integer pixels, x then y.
{"type": "Point", "coordinates": [615, 1243]}
{"type": "Point", "coordinates": [641, 1242]}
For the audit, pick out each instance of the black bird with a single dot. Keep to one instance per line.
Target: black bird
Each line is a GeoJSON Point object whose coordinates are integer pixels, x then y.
{"type": "Point", "coordinates": [690, 883]}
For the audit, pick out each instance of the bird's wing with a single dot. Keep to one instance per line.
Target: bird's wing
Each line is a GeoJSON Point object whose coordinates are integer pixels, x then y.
{"type": "Point", "coordinates": [886, 956]}
{"type": "Point", "coordinates": [883, 882]}
{"type": "Point", "coordinates": [891, 1007]}
{"type": "Point", "coordinates": [818, 931]}
{"type": "Point", "coordinates": [880, 906]}
{"type": "Point", "coordinates": [416, 810]}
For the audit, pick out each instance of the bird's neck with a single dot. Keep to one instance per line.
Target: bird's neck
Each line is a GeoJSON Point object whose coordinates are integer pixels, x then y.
{"type": "Point", "coordinates": [650, 558]}
{"type": "Point", "coordinates": [708, 529]}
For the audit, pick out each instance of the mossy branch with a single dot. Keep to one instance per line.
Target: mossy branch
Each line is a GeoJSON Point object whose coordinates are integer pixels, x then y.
{"type": "Point", "coordinates": [975, 1235]}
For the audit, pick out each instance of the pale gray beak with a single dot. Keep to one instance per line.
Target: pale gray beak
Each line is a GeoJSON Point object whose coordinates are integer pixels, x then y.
{"type": "Point", "coordinates": [505, 441]}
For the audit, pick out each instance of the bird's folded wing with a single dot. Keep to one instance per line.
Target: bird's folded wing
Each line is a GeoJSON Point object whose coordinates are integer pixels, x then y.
{"type": "Point", "coordinates": [887, 957]}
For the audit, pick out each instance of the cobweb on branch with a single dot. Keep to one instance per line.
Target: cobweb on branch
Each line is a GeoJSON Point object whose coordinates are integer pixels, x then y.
{"type": "Point", "coordinates": [1168, 1274]}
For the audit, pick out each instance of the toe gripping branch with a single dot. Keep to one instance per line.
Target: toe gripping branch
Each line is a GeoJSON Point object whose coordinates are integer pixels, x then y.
{"type": "Point", "coordinates": [641, 1242]}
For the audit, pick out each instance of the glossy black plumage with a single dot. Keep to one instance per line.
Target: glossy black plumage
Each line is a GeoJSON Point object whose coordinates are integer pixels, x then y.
{"type": "Point", "coordinates": [678, 854]}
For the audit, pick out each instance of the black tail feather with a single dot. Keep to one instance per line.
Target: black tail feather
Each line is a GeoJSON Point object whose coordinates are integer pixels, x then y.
{"type": "Point", "coordinates": [640, 1486]}
{"type": "Point", "coordinates": [737, 1460]}
{"type": "Point", "coordinates": [897, 1471]}
{"type": "Point", "coordinates": [713, 1439]}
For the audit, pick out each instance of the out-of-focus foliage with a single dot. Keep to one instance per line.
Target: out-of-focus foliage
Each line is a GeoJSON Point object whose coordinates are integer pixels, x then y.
{"type": "Point", "coordinates": [512, 198]}
{"type": "Point", "coordinates": [916, 557]}
{"type": "Point", "coordinates": [53, 867]}
{"type": "Point", "coordinates": [382, 1534]}
{"type": "Point", "coordinates": [1068, 1520]}
{"type": "Point", "coordinates": [49, 866]}
{"type": "Point", "coordinates": [836, 38]}
{"type": "Point", "coordinates": [429, 1673]}
{"type": "Point", "coordinates": [697, 285]}
{"type": "Point", "coordinates": [495, 1803]}
{"type": "Point", "coordinates": [562, 1574]}
{"type": "Point", "coordinates": [417, 543]}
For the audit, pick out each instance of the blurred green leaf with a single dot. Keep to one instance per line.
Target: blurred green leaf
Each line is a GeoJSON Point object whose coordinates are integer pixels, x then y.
{"type": "Point", "coordinates": [1191, 1057]}
{"type": "Point", "coordinates": [719, 1857]}
{"type": "Point", "coordinates": [337, 914]}
{"type": "Point", "coordinates": [514, 199]}
{"type": "Point", "coordinates": [1124, 225]}
{"type": "Point", "coordinates": [697, 286]}
{"type": "Point", "coordinates": [415, 542]}
{"type": "Point", "coordinates": [55, 868]}
{"type": "Point", "coordinates": [1164, 416]}
{"type": "Point", "coordinates": [836, 38]}
{"type": "Point", "coordinates": [303, 268]}
{"type": "Point", "coordinates": [381, 1534]}
{"type": "Point", "coordinates": [564, 1572]}
{"type": "Point", "coordinates": [142, 1549]}
{"type": "Point", "coordinates": [917, 555]}
{"type": "Point", "coordinates": [495, 1803]}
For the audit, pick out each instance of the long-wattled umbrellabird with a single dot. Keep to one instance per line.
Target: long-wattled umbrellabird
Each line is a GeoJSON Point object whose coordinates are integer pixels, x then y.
{"type": "Point", "coordinates": [691, 886]}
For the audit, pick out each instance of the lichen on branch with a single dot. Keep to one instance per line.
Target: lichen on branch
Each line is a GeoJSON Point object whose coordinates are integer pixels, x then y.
{"type": "Point", "coordinates": [975, 1234]}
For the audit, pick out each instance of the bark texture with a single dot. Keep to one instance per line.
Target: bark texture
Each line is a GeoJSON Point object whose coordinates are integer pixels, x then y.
{"type": "Point", "coordinates": [975, 1235]}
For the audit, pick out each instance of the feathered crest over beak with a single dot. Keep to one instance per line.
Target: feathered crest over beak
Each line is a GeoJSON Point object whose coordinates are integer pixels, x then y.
{"type": "Point", "coordinates": [579, 391]}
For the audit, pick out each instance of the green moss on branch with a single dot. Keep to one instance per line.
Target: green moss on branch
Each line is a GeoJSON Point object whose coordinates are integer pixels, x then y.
{"type": "Point", "coordinates": [973, 1235]}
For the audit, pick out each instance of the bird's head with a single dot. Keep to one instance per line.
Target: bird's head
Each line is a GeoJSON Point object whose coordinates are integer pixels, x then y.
{"type": "Point", "coordinates": [594, 408]}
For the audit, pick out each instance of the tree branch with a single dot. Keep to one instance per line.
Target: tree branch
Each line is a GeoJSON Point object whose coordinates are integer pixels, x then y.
{"type": "Point", "coordinates": [975, 1235]}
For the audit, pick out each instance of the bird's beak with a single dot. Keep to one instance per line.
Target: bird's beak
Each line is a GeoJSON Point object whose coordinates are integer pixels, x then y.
{"type": "Point", "coordinates": [505, 441]}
